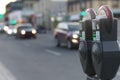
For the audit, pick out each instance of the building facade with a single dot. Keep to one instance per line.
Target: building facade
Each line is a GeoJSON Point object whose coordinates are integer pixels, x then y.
{"type": "Point", "coordinates": [11, 7]}
{"type": "Point", "coordinates": [47, 9]}
{"type": "Point", "coordinates": [75, 6]}
{"type": "Point", "coordinates": [29, 4]}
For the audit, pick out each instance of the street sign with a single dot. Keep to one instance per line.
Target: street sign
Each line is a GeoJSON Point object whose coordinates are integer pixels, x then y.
{"type": "Point", "coordinates": [1, 16]}
{"type": "Point", "coordinates": [13, 21]}
{"type": "Point", "coordinates": [82, 12]}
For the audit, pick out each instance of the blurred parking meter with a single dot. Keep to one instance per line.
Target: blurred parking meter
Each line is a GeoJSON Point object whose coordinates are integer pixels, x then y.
{"type": "Point", "coordinates": [105, 49]}
{"type": "Point", "coordinates": [86, 42]}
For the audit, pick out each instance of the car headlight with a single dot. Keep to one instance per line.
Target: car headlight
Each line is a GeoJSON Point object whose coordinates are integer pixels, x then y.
{"type": "Point", "coordinates": [34, 31]}
{"type": "Point", "coordinates": [15, 31]}
{"type": "Point", "coordinates": [6, 28]}
{"type": "Point", "coordinates": [23, 32]}
{"type": "Point", "coordinates": [74, 40]}
{"type": "Point", "coordinates": [75, 36]}
{"type": "Point", "coordinates": [9, 31]}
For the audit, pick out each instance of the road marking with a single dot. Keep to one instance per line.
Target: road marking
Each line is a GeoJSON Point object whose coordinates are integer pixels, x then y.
{"type": "Point", "coordinates": [53, 52]}
{"type": "Point", "coordinates": [5, 74]}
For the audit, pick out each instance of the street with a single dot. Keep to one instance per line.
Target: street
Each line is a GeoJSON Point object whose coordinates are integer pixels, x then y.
{"type": "Point", "coordinates": [39, 59]}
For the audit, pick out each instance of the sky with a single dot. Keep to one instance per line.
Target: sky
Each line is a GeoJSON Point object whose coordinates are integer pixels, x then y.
{"type": "Point", "coordinates": [3, 4]}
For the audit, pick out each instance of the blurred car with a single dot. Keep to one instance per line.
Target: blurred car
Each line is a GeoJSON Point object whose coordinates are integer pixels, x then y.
{"type": "Point", "coordinates": [6, 28]}
{"type": "Point", "coordinates": [11, 30]}
{"type": "Point", "coordinates": [41, 29]}
{"type": "Point", "coordinates": [2, 25]}
{"type": "Point", "coordinates": [67, 33]}
{"type": "Point", "coordinates": [25, 31]}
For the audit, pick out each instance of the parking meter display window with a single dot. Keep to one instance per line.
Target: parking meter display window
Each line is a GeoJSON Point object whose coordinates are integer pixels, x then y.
{"type": "Point", "coordinates": [96, 36]}
{"type": "Point", "coordinates": [81, 24]}
{"type": "Point", "coordinates": [96, 31]}
{"type": "Point", "coordinates": [82, 36]}
{"type": "Point", "coordinates": [82, 31]}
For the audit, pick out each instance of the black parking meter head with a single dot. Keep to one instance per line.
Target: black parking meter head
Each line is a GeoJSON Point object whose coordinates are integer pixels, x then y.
{"type": "Point", "coordinates": [104, 12]}
{"type": "Point", "coordinates": [105, 49]}
{"type": "Point", "coordinates": [86, 42]}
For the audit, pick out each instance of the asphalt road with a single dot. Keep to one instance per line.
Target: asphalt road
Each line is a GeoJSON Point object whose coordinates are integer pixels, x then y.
{"type": "Point", "coordinates": [39, 59]}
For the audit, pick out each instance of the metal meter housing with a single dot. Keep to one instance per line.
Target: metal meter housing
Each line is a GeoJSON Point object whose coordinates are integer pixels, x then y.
{"type": "Point", "coordinates": [86, 42]}
{"type": "Point", "coordinates": [105, 49]}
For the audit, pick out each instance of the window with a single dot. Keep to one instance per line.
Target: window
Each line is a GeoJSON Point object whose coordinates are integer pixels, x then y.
{"type": "Point", "coordinates": [71, 8]}
{"type": "Point", "coordinates": [31, 5]}
{"type": "Point", "coordinates": [74, 27]}
{"type": "Point", "coordinates": [115, 4]}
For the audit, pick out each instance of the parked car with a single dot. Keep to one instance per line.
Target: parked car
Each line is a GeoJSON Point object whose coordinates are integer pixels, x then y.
{"type": "Point", "coordinates": [25, 31]}
{"type": "Point", "coordinates": [67, 33]}
{"type": "Point", "coordinates": [2, 25]}
{"type": "Point", "coordinates": [11, 30]}
{"type": "Point", "coordinates": [41, 29]}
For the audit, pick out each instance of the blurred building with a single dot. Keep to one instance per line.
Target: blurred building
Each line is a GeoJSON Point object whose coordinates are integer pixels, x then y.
{"type": "Point", "coordinates": [11, 7]}
{"type": "Point", "coordinates": [113, 4]}
{"type": "Point", "coordinates": [58, 9]}
{"type": "Point", "coordinates": [47, 9]}
{"type": "Point", "coordinates": [75, 7]}
{"type": "Point", "coordinates": [29, 4]}
{"type": "Point", "coordinates": [28, 8]}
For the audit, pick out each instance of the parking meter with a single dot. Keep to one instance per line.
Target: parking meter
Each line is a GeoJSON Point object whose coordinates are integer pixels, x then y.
{"type": "Point", "coordinates": [86, 42]}
{"type": "Point", "coordinates": [105, 49]}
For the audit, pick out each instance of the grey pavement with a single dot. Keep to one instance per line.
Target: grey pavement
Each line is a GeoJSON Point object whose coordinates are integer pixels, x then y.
{"type": "Point", "coordinates": [38, 60]}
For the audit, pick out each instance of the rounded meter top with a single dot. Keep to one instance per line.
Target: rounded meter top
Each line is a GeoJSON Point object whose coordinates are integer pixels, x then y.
{"type": "Point", "coordinates": [104, 12]}
{"type": "Point", "coordinates": [89, 14]}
